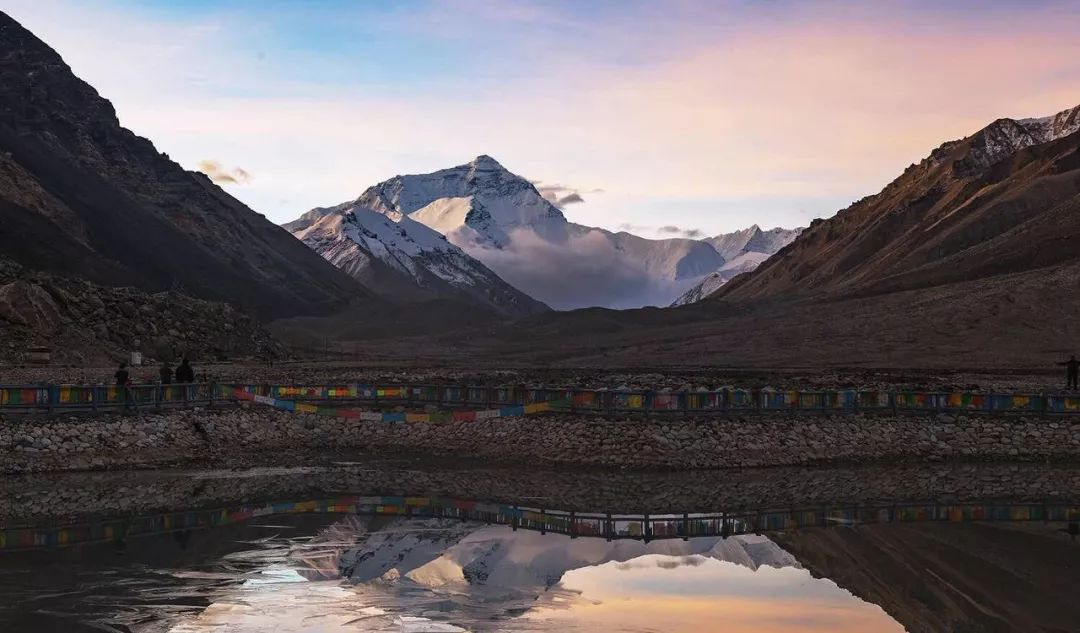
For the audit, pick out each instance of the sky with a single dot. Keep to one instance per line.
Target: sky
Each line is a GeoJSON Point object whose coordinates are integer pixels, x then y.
{"type": "Point", "coordinates": [666, 118]}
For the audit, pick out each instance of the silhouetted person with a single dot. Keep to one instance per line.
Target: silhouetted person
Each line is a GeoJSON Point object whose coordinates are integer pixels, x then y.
{"type": "Point", "coordinates": [123, 381]}
{"type": "Point", "coordinates": [184, 373]}
{"type": "Point", "coordinates": [122, 376]}
{"type": "Point", "coordinates": [1072, 372]}
{"type": "Point", "coordinates": [165, 376]}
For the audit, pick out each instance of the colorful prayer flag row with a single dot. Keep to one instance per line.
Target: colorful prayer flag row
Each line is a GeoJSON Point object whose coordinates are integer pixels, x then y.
{"type": "Point", "coordinates": [500, 398]}
{"type": "Point", "coordinates": [397, 417]}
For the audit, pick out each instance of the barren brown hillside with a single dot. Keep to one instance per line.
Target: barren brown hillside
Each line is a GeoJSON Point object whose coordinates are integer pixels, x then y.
{"type": "Point", "coordinates": [1001, 201]}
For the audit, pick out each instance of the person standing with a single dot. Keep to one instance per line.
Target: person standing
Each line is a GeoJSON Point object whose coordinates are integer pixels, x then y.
{"type": "Point", "coordinates": [184, 373]}
{"type": "Point", "coordinates": [123, 384]}
{"type": "Point", "coordinates": [122, 376]}
{"type": "Point", "coordinates": [1072, 372]}
{"type": "Point", "coordinates": [165, 373]}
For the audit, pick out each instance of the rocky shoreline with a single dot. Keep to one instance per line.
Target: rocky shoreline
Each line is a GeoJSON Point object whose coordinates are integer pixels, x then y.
{"type": "Point", "coordinates": [239, 436]}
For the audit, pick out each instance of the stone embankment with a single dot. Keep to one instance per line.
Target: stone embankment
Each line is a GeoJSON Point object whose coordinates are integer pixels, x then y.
{"type": "Point", "coordinates": [228, 436]}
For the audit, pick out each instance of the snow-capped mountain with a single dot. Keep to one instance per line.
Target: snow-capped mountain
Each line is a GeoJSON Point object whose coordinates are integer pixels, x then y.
{"type": "Point", "coordinates": [752, 240]}
{"type": "Point", "coordinates": [743, 251]}
{"type": "Point", "coordinates": [399, 257]}
{"type": "Point", "coordinates": [477, 204]}
{"type": "Point", "coordinates": [502, 569]}
{"type": "Point", "coordinates": [501, 219]}
{"type": "Point", "coordinates": [1005, 137]}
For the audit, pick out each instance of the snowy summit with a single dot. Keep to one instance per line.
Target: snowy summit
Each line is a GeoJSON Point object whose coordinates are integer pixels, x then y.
{"type": "Point", "coordinates": [500, 219]}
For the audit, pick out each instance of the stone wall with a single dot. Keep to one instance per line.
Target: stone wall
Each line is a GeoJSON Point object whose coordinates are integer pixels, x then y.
{"type": "Point", "coordinates": [229, 436]}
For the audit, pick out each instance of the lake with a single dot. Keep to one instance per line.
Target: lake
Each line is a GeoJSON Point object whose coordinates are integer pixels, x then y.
{"type": "Point", "coordinates": [413, 546]}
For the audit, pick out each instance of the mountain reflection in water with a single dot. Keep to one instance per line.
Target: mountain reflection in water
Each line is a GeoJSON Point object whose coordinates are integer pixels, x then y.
{"type": "Point", "coordinates": [366, 564]}
{"type": "Point", "coordinates": [387, 574]}
{"type": "Point", "coordinates": [437, 575]}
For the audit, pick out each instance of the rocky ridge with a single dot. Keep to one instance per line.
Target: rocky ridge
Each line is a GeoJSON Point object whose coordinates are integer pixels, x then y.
{"type": "Point", "coordinates": [82, 322]}
{"type": "Point", "coordinates": [1001, 201]}
{"type": "Point", "coordinates": [400, 258]}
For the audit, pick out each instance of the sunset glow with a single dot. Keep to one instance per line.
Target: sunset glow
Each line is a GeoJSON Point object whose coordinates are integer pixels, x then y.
{"type": "Point", "coordinates": [701, 115]}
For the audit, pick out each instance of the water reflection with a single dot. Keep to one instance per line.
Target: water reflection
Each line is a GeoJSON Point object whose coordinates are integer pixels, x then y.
{"type": "Point", "coordinates": [663, 593]}
{"type": "Point", "coordinates": [428, 563]}
{"type": "Point", "coordinates": [439, 575]}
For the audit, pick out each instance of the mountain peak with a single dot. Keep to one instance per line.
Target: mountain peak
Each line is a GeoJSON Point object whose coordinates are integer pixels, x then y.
{"type": "Point", "coordinates": [485, 162]}
{"type": "Point", "coordinates": [1004, 137]}
{"type": "Point", "coordinates": [1055, 126]}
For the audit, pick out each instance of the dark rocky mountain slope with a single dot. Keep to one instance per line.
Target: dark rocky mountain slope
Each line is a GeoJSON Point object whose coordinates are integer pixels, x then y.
{"type": "Point", "coordinates": [948, 578]}
{"type": "Point", "coordinates": [82, 196]}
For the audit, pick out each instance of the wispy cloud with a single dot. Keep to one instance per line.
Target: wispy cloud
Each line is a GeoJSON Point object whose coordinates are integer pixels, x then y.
{"type": "Point", "coordinates": [602, 273]}
{"type": "Point", "coordinates": [562, 195]}
{"type": "Point", "coordinates": [671, 229]}
{"type": "Point", "coordinates": [224, 175]}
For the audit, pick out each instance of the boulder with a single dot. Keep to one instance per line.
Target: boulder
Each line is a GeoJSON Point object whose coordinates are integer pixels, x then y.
{"type": "Point", "coordinates": [24, 303]}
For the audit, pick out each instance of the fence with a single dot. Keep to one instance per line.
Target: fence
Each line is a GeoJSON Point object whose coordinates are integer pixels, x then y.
{"type": "Point", "coordinates": [517, 400]}
{"type": "Point", "coordinates": [104, 397]}
{"type": "Point", "coordinates": [574, 524]}
{"type": "Point", "coordinates": [700, 401]}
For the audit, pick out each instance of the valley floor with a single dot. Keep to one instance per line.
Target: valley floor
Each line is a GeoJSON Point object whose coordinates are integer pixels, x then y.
{"type": "Point", "coordinates": [1012, 324]}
